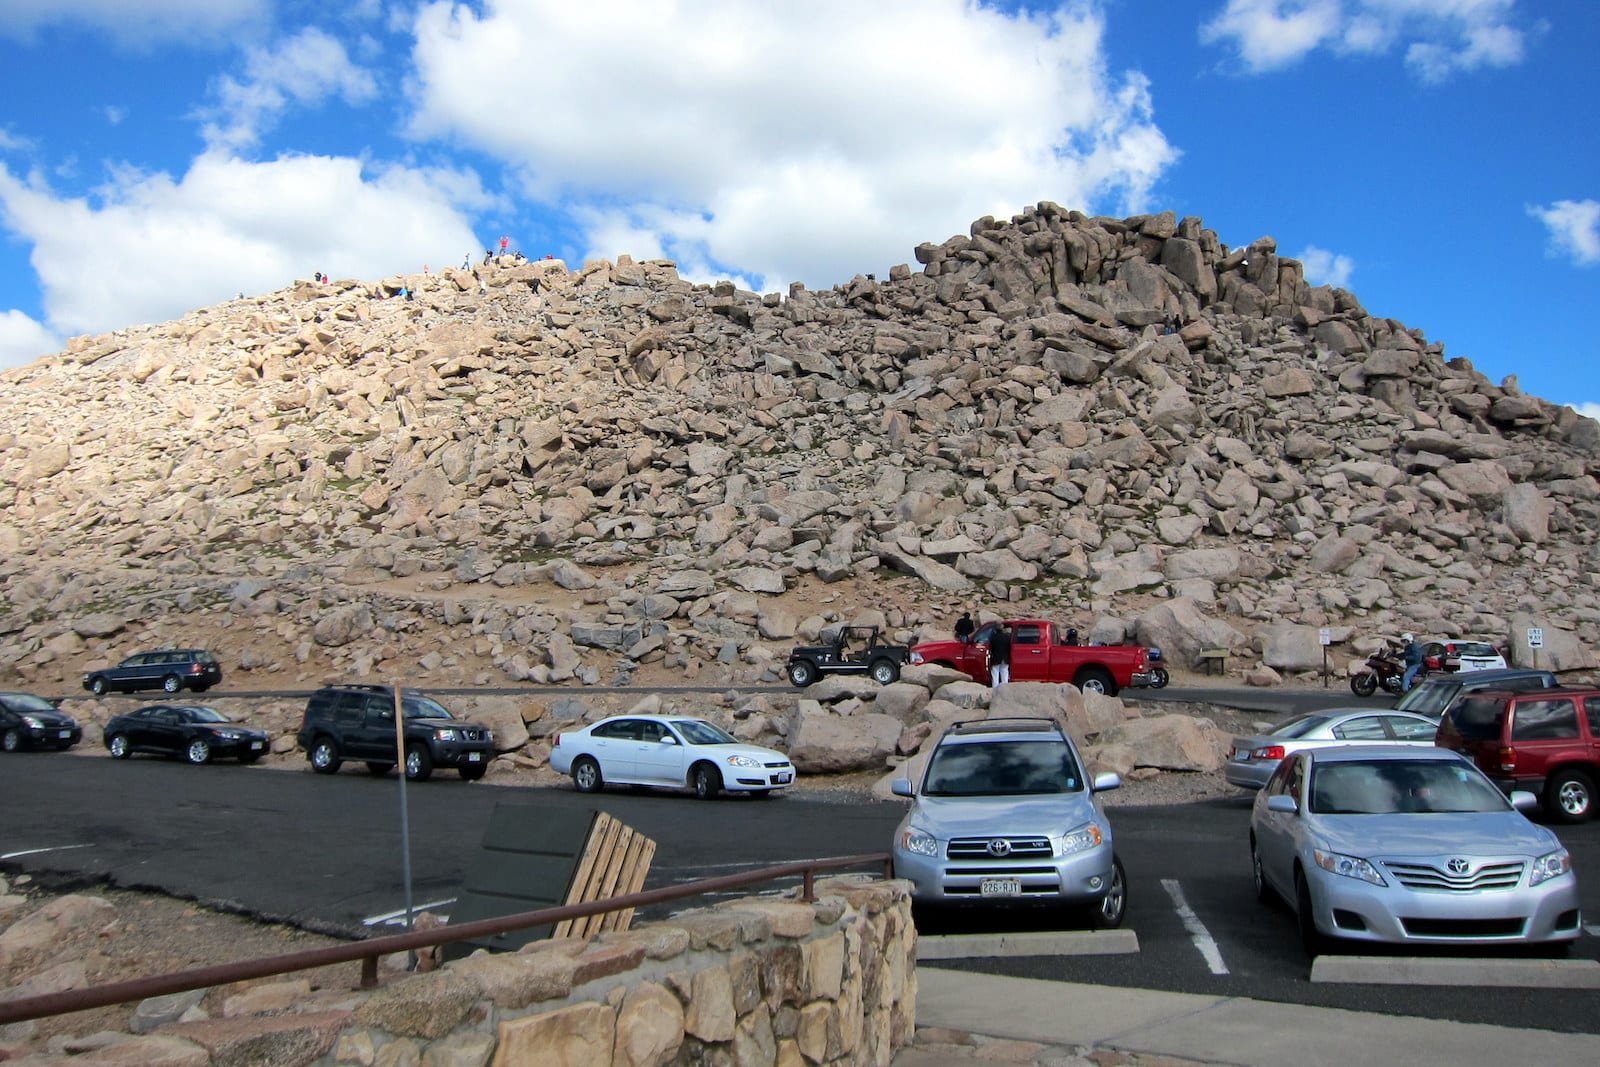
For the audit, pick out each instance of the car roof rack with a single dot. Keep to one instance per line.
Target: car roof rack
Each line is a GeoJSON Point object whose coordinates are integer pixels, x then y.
{"type": "Point", "coordinates": [1005, 724]}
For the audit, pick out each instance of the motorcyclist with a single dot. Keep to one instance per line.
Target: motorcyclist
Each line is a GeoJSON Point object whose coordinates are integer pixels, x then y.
{"type": "Point", "coordinates": [1411, 656]}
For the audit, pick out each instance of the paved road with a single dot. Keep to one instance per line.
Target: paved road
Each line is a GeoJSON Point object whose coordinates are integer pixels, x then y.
{"type": "Point", "coordinates": [324, 851]}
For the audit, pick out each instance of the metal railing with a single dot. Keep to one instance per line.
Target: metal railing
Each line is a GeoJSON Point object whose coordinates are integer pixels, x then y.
{"type": "Point", "coordinates": [371, 950]}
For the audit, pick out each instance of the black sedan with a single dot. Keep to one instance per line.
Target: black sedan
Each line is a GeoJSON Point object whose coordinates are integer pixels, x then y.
{"type": "Point", "coordinates": [194, 731]}
{"type": "Point", "coordinates": [27, 721]}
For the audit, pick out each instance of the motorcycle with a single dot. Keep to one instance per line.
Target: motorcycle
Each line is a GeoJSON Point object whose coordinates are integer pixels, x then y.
{"type": "Point", "coordinates": [1157, 668]}
{"type": "Point", "coordinates": [1382, 668]}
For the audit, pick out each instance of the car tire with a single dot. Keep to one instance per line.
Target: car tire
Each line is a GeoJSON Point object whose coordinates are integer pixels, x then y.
{"type": "Point", "coordinates": [1160, 679]}
{"type": "Point", "coordinates": [1114, 905]}
{"type": "Point", "coordinates": [474, 771]}
{"type": "Point", "coordinates": [419, 763]}
{"type": "Point", "coordinates": [377, 768]}
{"type": "Point", "coordinates": [802, 672]}
{"type": "Point", "coordinates": [586, 776]}
{"type": "Point", "coordinates": [324, 756]}
{"type": "Point", "coordinates": [706, 781]}
{"type": "Point", "coordinates": [1095, 680]}
{"type": "Point", "coordinates": [12, 741]}
{"type": "Point", "coordinates": [197, 752]}
{"type": "Point", "coordinates": [171, 683]}
{"type": "Point", "coordinates": [117, 745]}
{"type": "Point", "coordinates": [1264, 891]}
{"type": "Point", "coordinates": [97, 686]}
{"type": "Point", "coordinates": [885, 671]}
{"type": "Point", "coordinates": [1311, 938]}
{"type": "Point", "coordinates": [1569, 796]}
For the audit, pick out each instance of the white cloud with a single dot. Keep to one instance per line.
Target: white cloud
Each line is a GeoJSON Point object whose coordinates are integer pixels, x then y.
{"type": "Point", "coordinates": [159, 248]}
{"type": "Point", "coordinates": [24, 339]}
{"type": "Point", "coordinates": [1588, 411]}
{"type": "Point", "coordinates": [134, 22]}
{"type": "Point", "coordinates": [787, 141]}
{"type": "Point", "coordinates": [305, 69]}
{"type": "Point", "coordinates": [1326, 268]}
{"type": "Point", "coordinates": [1439, 37]}
{"type": "Point", "coordinates": [1574, 227]}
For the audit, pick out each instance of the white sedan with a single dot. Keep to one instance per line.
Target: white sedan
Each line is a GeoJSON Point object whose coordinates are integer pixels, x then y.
{"type": "Point", "coordinates": [668, 750]}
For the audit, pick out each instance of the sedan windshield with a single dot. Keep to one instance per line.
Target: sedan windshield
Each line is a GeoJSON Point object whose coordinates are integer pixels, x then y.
{"type": "Point", "coordinates": [200, 713]}
{"type": "Point", "coordinates": [27, 702]}
{"type": "Point", "coordinates": [700, 732]}
{"type": "Point", "coordinates": [1385, 787]}
{"type": "Point", "coordinates": [1002, 768]}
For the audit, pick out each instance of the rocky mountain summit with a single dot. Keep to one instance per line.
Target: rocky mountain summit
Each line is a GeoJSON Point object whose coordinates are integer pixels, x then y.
{"type": "Point", "coordinates": [526, 472]}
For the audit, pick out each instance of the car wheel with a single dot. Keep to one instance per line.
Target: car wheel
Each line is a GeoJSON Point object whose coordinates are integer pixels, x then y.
{"type": "Point", "coordinates": [97, 686]}
{"type": "Point", "coordinates": [1310, 938]}
{"type": "Point", "coordinates": [172, 683]}
{"type": "Point", "coordinates": [885, 671]}
{"type": "Point", "coordinates": [473, 771]}
{"type": "Point", "coordinates": [1095, 680]}
{"type": "Point", "coordinates": [379, 768]}
{"type": "Point", "coordinates": [1114, 905]}
{"type": "Point", "coordinates": [197, 752]}
{"type": "Point", "coordinates": [586, 776]}
{"type": "Point", "coordinates": [707, 782]}
{"type": "Point", "coordinates": [1161, 678]}
{"type": "Point", "coordinates": [802, 672]}
{"type": "Point", "coordinates": [325, 756]}
{"type": "Point", "coordinates": [1569, 796]}
{"type": "Point", "coordinates": [419, 765]}
{"type": "Point", "coordinates": [1264, 893]}
{"type": "Point", "coordinates": [12, 741]}
{"type": "Point", "coordinates": [118, 744]}
{"type": "Point", "coordinates": [1364, 684]}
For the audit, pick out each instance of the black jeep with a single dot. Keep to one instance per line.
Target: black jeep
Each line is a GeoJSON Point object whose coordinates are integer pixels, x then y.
{"type": "Point", "coordinates": [852, 650]}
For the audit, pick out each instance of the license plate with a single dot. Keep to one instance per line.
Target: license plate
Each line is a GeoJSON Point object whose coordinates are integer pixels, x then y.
{"type": "Point", "coordinates": [256, 744]}
{"type": "Point", "coordinates": [1000, 887]}
{"type": "Point", "coordinates": [474, 757]}
{"type": "Point", "coordinates": [64, 734]}
{"type": "Point", "coordinates": [782, 779]}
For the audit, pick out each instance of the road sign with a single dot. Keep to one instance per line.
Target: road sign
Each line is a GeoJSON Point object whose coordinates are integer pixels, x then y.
{"type": "Point", "coordinates": [1535, 637]}
{"type": "Point", "coordinates": [1325, 636]}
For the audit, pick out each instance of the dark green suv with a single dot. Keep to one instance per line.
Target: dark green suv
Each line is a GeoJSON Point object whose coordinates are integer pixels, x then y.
{"type": "Point", "coordinates": [356, 722]}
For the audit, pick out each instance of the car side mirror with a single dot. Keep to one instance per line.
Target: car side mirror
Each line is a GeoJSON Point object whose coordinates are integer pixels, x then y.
{"type": "Point", "coordinates": [901, 787]}
{"type": "Point", "coordinates": [1282, 802]}
{"type": "Point", "coordinates": [1523, 800]}
{"type": "Point", "coordinates": [1105, 780]}
{"type": "Point", "coordinates": [668, 739]}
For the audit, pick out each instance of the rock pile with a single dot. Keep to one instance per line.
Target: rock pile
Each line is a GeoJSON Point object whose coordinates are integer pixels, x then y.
{"type": "Point", "coordinates": [534, 473]}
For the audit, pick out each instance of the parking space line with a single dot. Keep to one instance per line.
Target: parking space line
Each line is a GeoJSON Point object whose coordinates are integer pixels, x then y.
{"type": "Point", "coordinates": [391, 916]}
{"type": "Point", "coordinates": [36, 851]}
{"type": "Point", "coordinates": [1592, 929]}
{"type": "Point", "coordinates": [1197, 930]}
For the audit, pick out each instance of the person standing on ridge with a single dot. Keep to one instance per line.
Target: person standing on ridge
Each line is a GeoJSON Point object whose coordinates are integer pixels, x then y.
{"type": "Point", "coordinates": [964, 626]}
{"type": "Point", "coordinates": [999, 657]}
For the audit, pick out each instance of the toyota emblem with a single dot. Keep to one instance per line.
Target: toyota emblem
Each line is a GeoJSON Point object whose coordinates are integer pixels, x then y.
{"type": "Point", "coordinates": [999, 847]}
{"type": "Point", "coordinates": [1457, 866]}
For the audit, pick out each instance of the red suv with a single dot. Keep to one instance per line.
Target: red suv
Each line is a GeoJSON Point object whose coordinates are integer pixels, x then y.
{"type": "Point", "coordinates": [1546, 741]}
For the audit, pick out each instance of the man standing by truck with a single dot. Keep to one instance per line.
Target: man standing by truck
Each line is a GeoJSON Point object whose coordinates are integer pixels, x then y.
{"type": "Point", "coordinates": [999, 656]}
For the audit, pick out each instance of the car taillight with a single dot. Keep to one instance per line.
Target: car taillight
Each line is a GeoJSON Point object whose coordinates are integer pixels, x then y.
{"type": "Point", "coordinates": [1268, 752]}
{"type": "Point", "coordinates": [557, 743]}
{"type": "Point", "coordinates": [195, 668]}
{"type": "Point", "coordinates": [1508, 759]}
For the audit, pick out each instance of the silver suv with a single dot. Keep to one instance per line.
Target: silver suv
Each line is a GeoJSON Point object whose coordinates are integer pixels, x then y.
{"type": "Point", "coordinates": [1005, 815]}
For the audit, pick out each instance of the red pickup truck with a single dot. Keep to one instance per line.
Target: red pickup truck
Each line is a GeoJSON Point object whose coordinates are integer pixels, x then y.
{"type": "Point", "coordinates": [1043, 652]}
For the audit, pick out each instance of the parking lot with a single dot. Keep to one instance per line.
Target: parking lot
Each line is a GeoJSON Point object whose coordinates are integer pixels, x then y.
{"type": "Point", "coordinates": [326, 851]}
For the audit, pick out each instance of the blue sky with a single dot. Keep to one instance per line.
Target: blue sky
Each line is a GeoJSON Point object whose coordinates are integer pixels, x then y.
{"type": "Point", "coordinates": [1436, 157]}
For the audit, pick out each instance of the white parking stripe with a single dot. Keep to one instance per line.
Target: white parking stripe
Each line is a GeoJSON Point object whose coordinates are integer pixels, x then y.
{"type": "Point", "coordinates": [1591, 929]}
{"type": "Point", "coordinates": [36, 851]}
{"type": "Point", "coordinates": [1197, 930]}
{"type": "Point", "coordinates": [391, 916]}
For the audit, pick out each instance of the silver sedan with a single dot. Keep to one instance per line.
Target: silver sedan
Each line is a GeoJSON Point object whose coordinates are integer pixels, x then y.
{"type": "Point", "coordinates": [1253, 758]}
{"type": "Point", "coordinates": [1408, 845]}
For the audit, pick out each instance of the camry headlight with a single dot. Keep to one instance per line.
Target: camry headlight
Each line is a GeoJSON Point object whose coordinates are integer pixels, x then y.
{"type": "Point", "coordinates": [229, 735]}
{"type": "Point", "coordinates": [743, 761]}
{"type": "Point", "coordinates": [448, 735]}
{"type": "Point", "coordinates": [1082, 840]}
{"type": "Point", "coordinates": [919, 841]}
{"type": "Point", "coordinates": [1552, 866]}
{"type": "Point", "coordinates": [34, 721]}
{"type": "Point", "coordinates": [1349, 866]}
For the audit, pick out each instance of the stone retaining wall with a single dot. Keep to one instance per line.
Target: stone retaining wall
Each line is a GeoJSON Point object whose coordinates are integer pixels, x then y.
{"type": "Point", "coordinates": [765, 980]}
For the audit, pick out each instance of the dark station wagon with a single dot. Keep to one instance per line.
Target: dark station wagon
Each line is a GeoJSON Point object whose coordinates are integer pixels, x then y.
{"type": "Point", "coordinates": [171, 670]}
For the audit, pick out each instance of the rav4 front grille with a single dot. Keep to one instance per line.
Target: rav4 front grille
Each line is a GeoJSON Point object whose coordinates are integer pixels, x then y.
{"type": "Point", "coordinates": [999, 849]}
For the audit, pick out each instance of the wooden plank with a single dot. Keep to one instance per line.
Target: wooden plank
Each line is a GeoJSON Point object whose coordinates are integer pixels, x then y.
{"type": "Point", "coordinates": [606, 885]}
{"type": "Point", "coordinates": [636, 868]}
{"type": "Point", "coordinates": [592, 868]}
{"type": "Point", "coordinates": [620, 876]}
{"type": "Point", "coordinates": [588, 858]}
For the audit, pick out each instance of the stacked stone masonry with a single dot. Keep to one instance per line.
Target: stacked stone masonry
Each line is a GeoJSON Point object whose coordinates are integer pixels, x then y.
{"type": "Point", "coordinates": [766, 980]}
